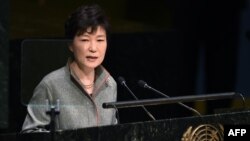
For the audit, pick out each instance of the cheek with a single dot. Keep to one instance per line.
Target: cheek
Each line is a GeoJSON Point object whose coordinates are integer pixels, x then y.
{"type": "Point", "coordinates": [79, 49]}
{"type": "Point", "coordinates": [79, 53]}
{"type": "Point", "coordinates": [78, 46]}
{"type": "Point", "coordinates": [103, 53]}
{"type": "Point", "coordinates": [104, 49]}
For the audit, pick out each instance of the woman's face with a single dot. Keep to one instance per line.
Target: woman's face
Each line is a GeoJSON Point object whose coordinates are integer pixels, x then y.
{"type": "Point", "coordinates": [89, 48]}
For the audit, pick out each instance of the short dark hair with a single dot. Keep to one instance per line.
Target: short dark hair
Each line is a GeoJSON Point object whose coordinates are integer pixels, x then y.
{"type": "Point", "coordinates": [84, 17]}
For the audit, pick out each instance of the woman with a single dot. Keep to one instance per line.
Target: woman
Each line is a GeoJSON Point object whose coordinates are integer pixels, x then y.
{"type": "Point", "coordinates": [83, 85]}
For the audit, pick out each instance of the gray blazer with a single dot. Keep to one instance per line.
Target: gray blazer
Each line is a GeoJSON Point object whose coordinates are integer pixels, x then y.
{"type": "Point", "coordinates": [77, 108]}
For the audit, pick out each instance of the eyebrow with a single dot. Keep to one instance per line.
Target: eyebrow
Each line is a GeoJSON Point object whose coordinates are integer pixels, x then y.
{"type": "Point", "coordinates": [87, 35]}
{"type": "Point", "coordinates": [101, 35]}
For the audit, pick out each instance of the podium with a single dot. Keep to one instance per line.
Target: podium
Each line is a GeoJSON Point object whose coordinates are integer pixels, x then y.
{"type": "Point", "coordinates": [176, 129]}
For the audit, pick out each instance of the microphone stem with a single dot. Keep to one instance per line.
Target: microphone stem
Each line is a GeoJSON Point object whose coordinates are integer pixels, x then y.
{"type": "Point", "coordinates": [131, 92]}
{"type": "Point", "coordinates": [195, 111]}
{"type": "Point", "coordinates": [158, 92]}
{"type": "Point", "coordinates": [149, 114]}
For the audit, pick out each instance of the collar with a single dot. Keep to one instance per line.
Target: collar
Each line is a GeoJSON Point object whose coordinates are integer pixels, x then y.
{"type": "Point", "coordinates": [101, 76]}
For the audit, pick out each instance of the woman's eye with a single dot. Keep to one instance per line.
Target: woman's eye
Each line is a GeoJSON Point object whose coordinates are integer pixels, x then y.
{"type": "Point", "coordinates": [84, 40]}
{"type": "Point", "coordinates": [100, 40]}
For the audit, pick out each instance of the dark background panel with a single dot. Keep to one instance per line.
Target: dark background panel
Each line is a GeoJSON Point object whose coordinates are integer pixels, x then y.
{"type": "Point", "coordinates": [4, 66]}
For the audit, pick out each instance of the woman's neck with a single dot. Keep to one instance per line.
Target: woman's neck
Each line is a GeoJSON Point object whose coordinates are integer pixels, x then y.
{"type": "Point", "coordinates": [85, 75]}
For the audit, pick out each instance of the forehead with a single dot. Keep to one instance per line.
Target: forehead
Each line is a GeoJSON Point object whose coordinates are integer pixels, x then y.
{"type": "Point", "coordinates": [99, 31]}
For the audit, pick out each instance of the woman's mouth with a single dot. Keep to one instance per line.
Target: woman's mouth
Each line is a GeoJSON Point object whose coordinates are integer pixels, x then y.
{"type": "Point", "coordinates": [91, 58]}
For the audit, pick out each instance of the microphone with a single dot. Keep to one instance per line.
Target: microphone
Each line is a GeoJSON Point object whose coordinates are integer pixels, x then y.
{"type": "Point", "coordinates": [145, 85]}
{"type": "Point", "coordinates": [123, 83]}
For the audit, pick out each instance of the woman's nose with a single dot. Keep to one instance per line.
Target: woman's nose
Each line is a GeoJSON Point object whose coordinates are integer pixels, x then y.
{"type": "Point", "coordinates": [92, 47]}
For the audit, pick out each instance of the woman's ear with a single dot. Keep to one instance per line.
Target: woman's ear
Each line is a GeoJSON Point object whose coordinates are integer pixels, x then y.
{"type": "Point", "coordinates": [71, 48]}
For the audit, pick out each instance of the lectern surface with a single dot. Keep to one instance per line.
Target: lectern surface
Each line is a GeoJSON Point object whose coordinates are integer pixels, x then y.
{"type": "Point", "coordinates": [162, 130]}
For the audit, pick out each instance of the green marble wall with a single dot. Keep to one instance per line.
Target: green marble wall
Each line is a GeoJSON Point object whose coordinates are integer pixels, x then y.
{"type": "Point", "coordinates": [4, 10]}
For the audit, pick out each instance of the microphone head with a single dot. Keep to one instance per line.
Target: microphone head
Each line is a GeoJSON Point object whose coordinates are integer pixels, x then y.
{"type": "Point", "coordinates": [121, 80]}
{"type": "Point", "coordinates": [142, 83]}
